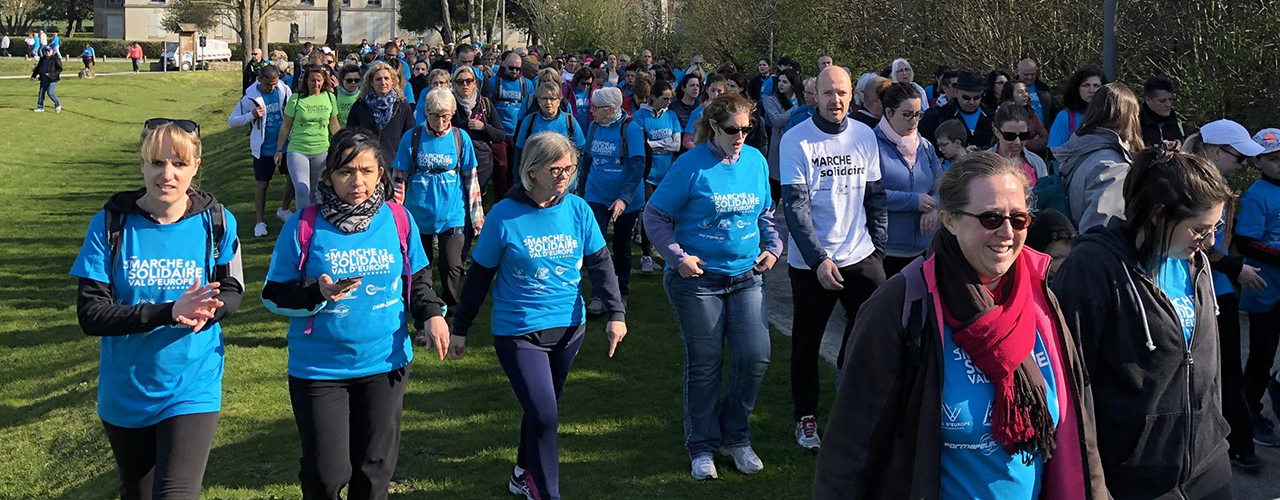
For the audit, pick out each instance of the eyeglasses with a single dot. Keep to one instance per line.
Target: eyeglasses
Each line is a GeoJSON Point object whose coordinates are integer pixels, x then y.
{"type": "Point", "coordinates": [351, 80]}
{"type": "Point", "coordinates": [969, 97]}
{"type": "Point", "coordinates": [187, 126]}
{"type": "Point", "coordinates": [736, 130]}
{"type": "Point", "coordinates": [911, 116]}
{"type": "Point", "coordinates": [559, 171]}
{"type": "Point", "coordinates": [1239, 157]}
{"type": "Point", "coordinates": [994, 220]}
{"type": "Point", "coordinates": [1205, 234]}
{"type": "Point", "coordinates": [465, 81]}
{"type": "Point", "coordinates": [1011, 136]}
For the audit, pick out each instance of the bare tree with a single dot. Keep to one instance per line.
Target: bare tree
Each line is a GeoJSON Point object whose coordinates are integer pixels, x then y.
{"type": "Point", "coordinates": [334, 36]}
{"type": "Point", "coordinates": [447, 34]}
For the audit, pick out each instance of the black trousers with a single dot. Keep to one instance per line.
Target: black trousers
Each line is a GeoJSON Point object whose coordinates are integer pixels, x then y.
{"type": "Point", "coordinates": [1234, 408]}
{"type": "Point", "coordinates": [448, 262]}
{"type": "Point", "coordinates": [894, 265]}
{"type": "Point", "coordinates": [165, 460]}
{"type": "Point", "coordinates": [813, 305]}
{"type": "Point", "coordinates": [1264, 332]}
{"type": "Point", "coordinates": [350, 431]}
{"type": "Point", "coordinates": [623, 228]}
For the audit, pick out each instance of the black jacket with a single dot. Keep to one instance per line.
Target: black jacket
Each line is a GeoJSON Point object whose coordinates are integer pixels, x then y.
{"type": "Point", "coordinates": [982, 137]}
{"type": "Point", "coordinates": [481, 139]}
{"type": "Point", "coordinates": [1157, 402]}
{"type": "Point", "coordinates": [251, 71]}
{"type": "Point", "coordinates": [52, 72]}
{"type": "Point", "coordinates": [101, 316]}
{"type": "Point", "coordinates": [401, 123]}
{"type": "Point", "coordinates": [1156, 128]}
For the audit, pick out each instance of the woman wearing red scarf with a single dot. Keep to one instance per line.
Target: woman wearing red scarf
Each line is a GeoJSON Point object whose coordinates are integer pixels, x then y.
{"type": "Point", "coordinates": [961, 380]}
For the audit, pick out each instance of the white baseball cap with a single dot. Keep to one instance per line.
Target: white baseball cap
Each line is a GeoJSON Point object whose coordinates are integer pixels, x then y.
{"type": "Point", "coordinates": [326, 50]}
{"type": "Point", "coordinates": [1228, 133]}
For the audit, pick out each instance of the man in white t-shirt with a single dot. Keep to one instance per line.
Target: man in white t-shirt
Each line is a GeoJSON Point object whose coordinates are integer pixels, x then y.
{"type": "Point", "coordinates": [838, 224]}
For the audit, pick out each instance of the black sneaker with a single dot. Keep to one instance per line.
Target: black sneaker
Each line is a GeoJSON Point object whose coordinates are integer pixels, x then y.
{"type": "Point", "coordinates": [1249, 462]}
{"type": "Point", "coordinates": [515, 485]}
{"type": "Point", "coordinates": [1263, 434]}
{"type": "Point", "coordinates": [1273, 389]}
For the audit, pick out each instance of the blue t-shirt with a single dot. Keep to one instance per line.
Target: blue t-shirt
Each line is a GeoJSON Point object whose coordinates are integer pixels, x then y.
{"type": "Point", "coordinates": [1260, 219]}
{"type": "Point", "coordinates": [971, 119]}
{"type": "Point", "coordinates": [538, 254]}
{"type": "Point", "coordinates": [974, 464]}
{"type": "Point", "coordinates": [717, 206]}
{"type": "Point", "coordinates": [434, 191]}
{"type": "Point", "coordinates": [1035, 104]}
{"type": "Point", "coordinates": [582, 107]}
{"type": "Point", "coordinates": [508, 100]}
{"type": "Point", "coordinates": [365, 333]}
{"type": "Point", "coordinates": [88, 52]}
{"type": "Point", "coordinates": [609, 166]}
{"type": "Point", "coordinates": [1061, 130]}
{"type": "Point", "coordinates": [659, 128]}
{"type": "Point", "coordinates": [274, 119]}
{"type": "Point", "coordinates": [1174, 280]}
{"type": "Point", "coordinates": [802, 113]}
{"type": "Point", "coordinates": [559, 124]}
{"type": "Point", "coordinates": [144, 378]}
{"type": "Point", "coordinates": [690, 126]}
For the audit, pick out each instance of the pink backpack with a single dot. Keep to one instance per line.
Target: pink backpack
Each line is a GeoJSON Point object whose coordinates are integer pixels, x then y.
{"type": "Point", "coordinates": [307, 229]}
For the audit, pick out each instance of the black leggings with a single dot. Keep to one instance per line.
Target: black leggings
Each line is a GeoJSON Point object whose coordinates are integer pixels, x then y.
{"type": "Point", "coordinates": [165, 460]}
{"type": "Point", "coordinates": [1264, 332]}
{"type": "Point", "coordinates": [1234, 408]}
{"type": "Point", "coordinates": [623, 229]}
{"type": "Point", "coordinates": [449, 263]}
{"type": "Point", "coordinates": [350, 432]}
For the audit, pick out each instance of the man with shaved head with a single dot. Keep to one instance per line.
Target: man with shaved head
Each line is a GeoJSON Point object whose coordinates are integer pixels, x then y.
{"type": "Point", "coordinates": [1041, 95]}
{"type": "Point", "coordinates": [838, 221]}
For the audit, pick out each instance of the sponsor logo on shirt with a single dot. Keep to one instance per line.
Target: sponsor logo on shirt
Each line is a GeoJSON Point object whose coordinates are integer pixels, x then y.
{"type": "Point", "coordinates": [363, 261]}
{"type": "Point", "coordinates": [386, 304]}
{"type": "Point", "coordinates": [735, 202]}
{"type": "Point", "coordinates": [659, 134]}
{"type": "Point", "coordinates": [951, 418]}
{"type": "Point", "coordinates": [551, 246]}
{"type": "Point", "coordinates": [435, 162]}
{"type": "Point", "coordinates": [374, 290]}
{"type": "Point", "coordinates": [165, 274]}
{"type": "Point", "coordinates": [838, 165]}
{"type": "Point", "coordinates": [340, 310]}
{"type": "Point", "coordinates": [987, 445]}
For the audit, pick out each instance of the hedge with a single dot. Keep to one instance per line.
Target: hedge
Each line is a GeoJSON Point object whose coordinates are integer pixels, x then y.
{"type": "Point", "coordinates": [110, 47]}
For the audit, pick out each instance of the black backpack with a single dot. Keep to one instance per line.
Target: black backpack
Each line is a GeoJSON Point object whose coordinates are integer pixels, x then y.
{"type": "Point", "coordinates": [622, 133]}
{"type": "Point", "coordinates": [570, 125]}
{"type": "Point", "coordinates": [416, 146]}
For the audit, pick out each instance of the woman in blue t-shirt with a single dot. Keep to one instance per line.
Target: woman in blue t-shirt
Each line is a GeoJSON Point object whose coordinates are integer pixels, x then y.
{"type": "Point", "coordinates": [612, 178]}
{"type": "Point", "coordinates": [962, 379]}
{"type": "Point", "coordinates": [340, 271]}
{"type": "Point", "coordinates": [537, 243]}
{"type": "Point", "coordinates": [443, 192]}
{"type": "Point", "coordinates": [662, 131]}
{"type": "Point", "coordinates": [1078, 93]}
{"type": "Point", "coordinates": [143, 269]}
{"type": "Point", "coordinates": [1140, 298]}
{"type": "Point", "coordinates": [548, 116]}
{"type": "Point", "coordinates": [712, 220]}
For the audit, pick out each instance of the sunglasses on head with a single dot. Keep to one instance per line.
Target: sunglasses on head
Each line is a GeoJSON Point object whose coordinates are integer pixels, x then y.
{"type": "Point", "coordinates": [1010, 136]}
{"type": "Point", "coordinates": [994, 220]}
{"type": "Point", "coordinates": [187, 126]}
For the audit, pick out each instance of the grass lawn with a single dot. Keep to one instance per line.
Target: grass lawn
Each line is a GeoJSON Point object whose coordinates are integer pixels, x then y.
{"type": "Point", "coordinates": [16, 66]}
{"type": "Point", "coordinates": [621, 430]}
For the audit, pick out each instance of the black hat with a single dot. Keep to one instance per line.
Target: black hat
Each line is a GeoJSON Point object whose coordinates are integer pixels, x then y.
{"type": "Point", "coordinates": [1049, 226]}
{"type": "Point", "coordinates": [969, 81]}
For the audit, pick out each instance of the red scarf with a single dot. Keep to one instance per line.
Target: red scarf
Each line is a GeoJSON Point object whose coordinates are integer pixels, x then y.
{"type": "Point", "coordinates": [998, 335]}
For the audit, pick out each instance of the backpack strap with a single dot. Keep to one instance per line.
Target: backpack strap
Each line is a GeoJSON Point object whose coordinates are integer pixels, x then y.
{"type": "Point", "coordinates": [218, 228]}
{"type": "Point", "coordinates": [1071, 120]}
{"type": "Point", "coordinates": [914, 314]}
{"type": "Point", "coordinates": [622, 133]}
{"type": "Point", "coordinates": [457, 146]}
{"type": "Point", "coordinates": [403, 231]}
{"type": "Point", "coordinates": [114, 223]}
{"type": "Point", "coordinates": [416, 147]}
{"type": "Point", "coordinates": [306, 230]}
{"type": "Point", "coordinates": [528, 126]}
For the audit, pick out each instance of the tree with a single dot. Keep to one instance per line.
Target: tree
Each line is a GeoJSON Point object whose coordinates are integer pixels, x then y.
{"type": "Point", "coordinates": [334, 36]}
{"type": "Point", "coordinates": [205, 15]}
{"type": "Point", "coordinates": [18, 16]}
{"type": "Point", "coordinates": [74, 12]}
{"type": "Point", "coordinates": [426, 15]}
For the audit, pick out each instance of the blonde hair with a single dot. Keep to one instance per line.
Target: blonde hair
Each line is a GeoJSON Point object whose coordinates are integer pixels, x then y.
{"type": "Point", "coordinates": [439, 100]}
{"type": "Point", "coordinates": [366, 87]}
{"type": "Point", "coordinates": [184, 144]}
{"type": "Point", "coordinates": [550, 75]}
{"type": "Point", "coordinates": [540, 151]}
{"type": "Point", "coordinates": [439, 72]}
{"type": "Point", "coordinates": [546, 88]}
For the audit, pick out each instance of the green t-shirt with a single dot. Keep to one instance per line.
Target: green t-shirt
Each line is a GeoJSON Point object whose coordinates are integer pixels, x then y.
{"type": "Point", "coordinates": [344, 105]}
{"type": "Point", "coordinates": [311, 115]}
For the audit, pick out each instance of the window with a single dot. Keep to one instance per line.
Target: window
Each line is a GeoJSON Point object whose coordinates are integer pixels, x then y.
{"type": "Point", "coordinates": [346, 3]}
{"type": "Point", "coordinates": [375, 3]}
{"type": "Point", "coordinates": [306, 2]}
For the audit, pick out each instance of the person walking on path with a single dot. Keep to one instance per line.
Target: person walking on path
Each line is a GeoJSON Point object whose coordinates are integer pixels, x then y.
{"type": "Point", "coordinates": [837, 215]}
{"type": "Point", "coordinates": [261, 109]}
{"type": "Point", "coordinates": [910, 168]}
{"type": "Point", "coordinates": [4, 45]}
{"type": "Point", "coordinates": [159, 271]}
{"type": "Point", "coordinates": [48, 72]}
{"type": "Point", "coordinates": [135, 56]}
{"type": "Point", "coordinates": [310, 118]}
{"type": "Point", "coordinates": [538, 244]}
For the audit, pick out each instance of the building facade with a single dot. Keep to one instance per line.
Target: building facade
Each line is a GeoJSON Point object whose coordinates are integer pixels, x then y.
{"type": "Point", "coordinates": [143, 20]}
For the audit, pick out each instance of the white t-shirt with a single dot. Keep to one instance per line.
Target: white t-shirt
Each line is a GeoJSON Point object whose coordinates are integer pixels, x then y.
{"type": "Point", "coordinates": [835, 169]}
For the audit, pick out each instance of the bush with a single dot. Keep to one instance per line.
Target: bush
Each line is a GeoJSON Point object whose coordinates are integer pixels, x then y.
{"type": "Point", "coordinates": [109, 47]}
{"type": "Point", "coordinates": [237, 49]}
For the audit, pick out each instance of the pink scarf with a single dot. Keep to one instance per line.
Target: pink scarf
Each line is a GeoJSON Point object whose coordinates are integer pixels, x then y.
{"type": "Point", "coordinates": [906, 145]}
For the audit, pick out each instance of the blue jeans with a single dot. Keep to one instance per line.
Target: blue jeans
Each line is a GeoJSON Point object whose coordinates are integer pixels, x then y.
{"type": "Point", "coordinates": [48, 88]}
{"type": "Point", "coordinates": [710, 310]}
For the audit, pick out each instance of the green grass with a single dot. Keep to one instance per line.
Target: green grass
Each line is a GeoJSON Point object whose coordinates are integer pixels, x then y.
{"type": "Point", "coordinates": [71, 65]}
{"type": "Point", "coordinates": [621, 431]}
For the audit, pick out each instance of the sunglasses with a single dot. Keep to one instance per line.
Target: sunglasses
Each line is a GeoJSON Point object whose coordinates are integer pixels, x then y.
{"type": "Point", "coordinates": [187, 126]}
{"type": "Point", "coordinates": [1010, 136]}
{"type": "Point", "coordinates": [465, 81]}
{"type": "Point", "coordinates": [1205, 234]}
{"type": "Point", "coordinates": [736, 130]}
{"type": "Point", "coordinates": [970, 97]}
{"type": "Point", "coordinates": [994, 220]}
{"type": "Point", "coordinates": [352, 80]}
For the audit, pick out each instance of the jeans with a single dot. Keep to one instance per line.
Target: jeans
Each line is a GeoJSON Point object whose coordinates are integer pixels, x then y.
{"type": "Point", "coordinates": [350, 433]}
{"type": "Point", "coordinates": [537, 374]}
{"type": "Point", "coordinates": [48, 88]}
{"type": "Point", "coordinates": [304, 171]}
{"type": "Point", "coordinates": [165, 460]}
{"type": "Point", "coordinates": [711, 310]}
{"type": "Point", "coordinates": [623, 229]}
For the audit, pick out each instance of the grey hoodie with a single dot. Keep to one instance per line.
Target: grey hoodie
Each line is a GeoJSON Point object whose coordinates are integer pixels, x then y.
{"type": "Point", "coordinates": [1094, 167]}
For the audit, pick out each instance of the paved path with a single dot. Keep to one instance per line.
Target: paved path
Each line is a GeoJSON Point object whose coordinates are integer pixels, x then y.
{"type": "Point", "coordinates": [1262, 485]}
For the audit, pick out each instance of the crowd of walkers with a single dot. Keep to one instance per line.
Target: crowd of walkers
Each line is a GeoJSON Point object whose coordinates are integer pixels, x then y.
{"type": "Point", "coordinates": [1040, 291]}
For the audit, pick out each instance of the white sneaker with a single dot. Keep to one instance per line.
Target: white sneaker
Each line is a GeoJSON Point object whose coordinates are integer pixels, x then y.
{"type": "Point", "coordinates": [39, 110]}
{"type": "Point", "coordinates": [646, 264]}
{"type": "Point", "coordinates": [57, 109]}
{"type": "Point", "coordinates": [744, 458]}
{"type": "Point", "coordinates": [260, 229]}
{"type": "Point", "coordinates": [807, 433]}
{"type": "Point", "coordinates": [704, 467]}
{"type": "Point", "coordinates": [515, 485]}
{"type": "Point", "coordinates": [284, 214]}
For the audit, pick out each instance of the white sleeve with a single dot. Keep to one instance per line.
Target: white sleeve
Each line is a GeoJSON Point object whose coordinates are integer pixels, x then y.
{"type": "Point", "coordinates": [871, 151]}
{"type": "Point", "coordinates": [793, 163]}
